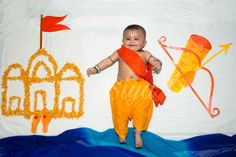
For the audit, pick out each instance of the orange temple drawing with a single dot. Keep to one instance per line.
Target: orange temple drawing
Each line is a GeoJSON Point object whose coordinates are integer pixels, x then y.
{"type": "Point", "coordinates": [33, 100]}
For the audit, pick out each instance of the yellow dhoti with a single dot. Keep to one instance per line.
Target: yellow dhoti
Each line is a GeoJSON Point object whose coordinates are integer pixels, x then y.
{"type": "Point", "coordinates": [131, 100]}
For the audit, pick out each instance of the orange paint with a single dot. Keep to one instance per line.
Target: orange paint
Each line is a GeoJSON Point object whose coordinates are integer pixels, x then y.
{"type": "Point", "coordinates": [35, 121]}
{"type": "Point", "coordinates": [195, 51]}
{"type": "Point", "coordinates": [45, 121]}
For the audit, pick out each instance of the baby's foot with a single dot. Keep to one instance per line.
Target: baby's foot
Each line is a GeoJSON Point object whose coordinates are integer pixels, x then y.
{"type": "Point", "coordinates": [138, 139]}
{"type": "Point", "coordinates": [122, 141]}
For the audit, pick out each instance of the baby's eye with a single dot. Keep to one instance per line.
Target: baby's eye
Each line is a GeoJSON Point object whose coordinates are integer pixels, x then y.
{"type": "Point", "coordinates": [136, 39]}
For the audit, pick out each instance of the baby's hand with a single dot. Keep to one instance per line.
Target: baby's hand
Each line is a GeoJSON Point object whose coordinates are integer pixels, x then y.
{"type": "Point", "coordinates": [157, 66]}
{"type": "Point", "coordinates": [91, 71]}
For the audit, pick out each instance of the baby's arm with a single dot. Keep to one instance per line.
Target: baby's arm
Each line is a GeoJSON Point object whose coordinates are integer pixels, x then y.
{"type": "Point", "coordinates": [102, 65]}
{"type": "Point", "coordinates": [155, 62]}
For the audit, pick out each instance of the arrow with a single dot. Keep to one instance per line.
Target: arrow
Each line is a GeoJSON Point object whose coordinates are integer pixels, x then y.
{"type": "Point", "coordinates": [224, 47]}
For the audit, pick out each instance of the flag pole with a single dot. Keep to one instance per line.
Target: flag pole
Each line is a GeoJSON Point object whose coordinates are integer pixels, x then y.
{"type": "Point", "coordinates": [41, 33]}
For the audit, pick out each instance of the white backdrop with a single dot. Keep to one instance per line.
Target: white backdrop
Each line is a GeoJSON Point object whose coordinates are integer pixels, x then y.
{"type": "Point", "coordinates": [96, 32]}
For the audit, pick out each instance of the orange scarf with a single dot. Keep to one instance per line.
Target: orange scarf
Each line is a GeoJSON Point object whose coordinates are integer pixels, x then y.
{"type": "Point", "coordinates": [136, 63]}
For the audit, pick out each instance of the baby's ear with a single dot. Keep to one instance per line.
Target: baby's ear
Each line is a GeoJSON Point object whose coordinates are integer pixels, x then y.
{"type": "Point", "coordinates": [144, 43]}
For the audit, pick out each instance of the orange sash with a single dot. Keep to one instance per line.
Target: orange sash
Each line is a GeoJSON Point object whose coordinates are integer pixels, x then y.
{"type": "Point", "coordinates": [136, 63]}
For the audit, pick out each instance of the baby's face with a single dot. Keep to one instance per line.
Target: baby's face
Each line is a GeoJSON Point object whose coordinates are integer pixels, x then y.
{"type": "Point", "coordinates": [134, 39]}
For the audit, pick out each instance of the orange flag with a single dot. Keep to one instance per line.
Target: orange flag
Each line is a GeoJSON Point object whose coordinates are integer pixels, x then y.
{"type": "Point", "coordinates": [50, 24]}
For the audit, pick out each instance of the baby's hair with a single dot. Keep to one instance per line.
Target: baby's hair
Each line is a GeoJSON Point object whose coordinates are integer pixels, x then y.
{"type": "Point", "coordinates": [137, 27]}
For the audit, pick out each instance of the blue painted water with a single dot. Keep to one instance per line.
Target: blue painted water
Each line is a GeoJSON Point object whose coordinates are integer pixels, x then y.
{"type": "Point", "coordinates": [86, 142]}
